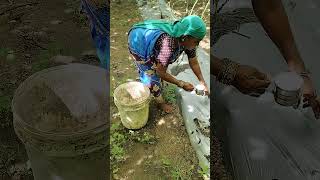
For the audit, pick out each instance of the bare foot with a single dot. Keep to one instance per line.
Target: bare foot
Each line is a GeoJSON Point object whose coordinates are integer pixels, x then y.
{"type": "Point", "coordinates": [167, 108]}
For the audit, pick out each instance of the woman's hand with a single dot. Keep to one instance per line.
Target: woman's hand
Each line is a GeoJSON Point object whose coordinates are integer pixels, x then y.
{"type": "Point", "coordinates": [206, 89]}
{"type": "Point", "coordinates": [250, 81]}
{"type": "Point", "coordinates": [187, 86]}
{"type": "Point", "coordinates": [310, 98]}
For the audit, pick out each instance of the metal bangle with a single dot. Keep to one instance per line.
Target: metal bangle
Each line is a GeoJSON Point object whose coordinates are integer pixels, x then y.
{"type": "Point", "coordinates": [305, 74]}
{"type": "Point", "coordinates": [181, 83]}
{"type": "Point", "coordinates": [228, 72]}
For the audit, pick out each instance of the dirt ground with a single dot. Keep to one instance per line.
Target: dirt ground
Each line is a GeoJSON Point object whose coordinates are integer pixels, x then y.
{"type": "Point", "coordinates": [31, 33]}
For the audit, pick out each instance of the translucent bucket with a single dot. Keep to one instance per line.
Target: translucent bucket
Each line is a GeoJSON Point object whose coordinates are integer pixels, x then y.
{"type": "Point", "coordinates": [132, 100]}
{"type": "Point", "coordinates": [59, 145]}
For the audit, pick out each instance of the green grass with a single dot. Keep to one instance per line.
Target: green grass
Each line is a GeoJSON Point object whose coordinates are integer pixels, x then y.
{"type": "Point", "coordinates": [117, 140]}
{"type": "Point", "coordinates": [165, 162]}
{"type": "Point", "coordinates": [175, 171]}
{"type": "Point", "coordinates": [145, 138]}
{"type": "Point", "coordinates": [169, 94]}
{"type": "Point", "coordinates": [203, 169]}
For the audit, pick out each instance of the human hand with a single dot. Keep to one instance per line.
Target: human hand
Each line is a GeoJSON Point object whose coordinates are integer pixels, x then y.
{"type": "Point", "coordinates": [206, 89]}
{"type": "Point", "coordinates": [250, 81]}
{"type": "Point", "coordinates": [310, 99]}
{"type": "Point", "coordinates": [188, 86]}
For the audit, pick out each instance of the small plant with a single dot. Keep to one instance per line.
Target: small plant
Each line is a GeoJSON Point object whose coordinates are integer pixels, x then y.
{"type": "Point", "coordinates": [166, 162]}
{"type": "Point", "coordinates": [117, 152]}
{"type": "Point", "coordinates": [203, 169]}
{"type": "Point", "coordinates": [176, 174]}
{"type": "Point", "coordinates": [145, 138]}
{"type": "Point", "coordinates": [169, 93]}
{"type": "Point", "coordinates": [117, 140]}
{"type": "Point", "coordinates": [190, 172]}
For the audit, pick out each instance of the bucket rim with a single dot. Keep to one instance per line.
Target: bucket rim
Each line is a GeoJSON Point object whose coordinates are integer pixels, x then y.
{"type": "Point", "coordinates": [56, 136]}
{"type": "Point", "coordinates": [142, 101]}
{"type": "Point", "coordinates": [19, 91]}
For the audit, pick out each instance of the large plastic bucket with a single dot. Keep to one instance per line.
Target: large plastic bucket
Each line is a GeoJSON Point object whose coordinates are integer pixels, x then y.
{"type": "Point", "coordinates": [132, 100]}
{"type": "Point", "coordinates": [60, 146]}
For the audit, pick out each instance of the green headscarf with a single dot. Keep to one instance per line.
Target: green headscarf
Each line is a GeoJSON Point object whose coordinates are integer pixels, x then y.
{"type": "Point", "coordinates": [190, 25]}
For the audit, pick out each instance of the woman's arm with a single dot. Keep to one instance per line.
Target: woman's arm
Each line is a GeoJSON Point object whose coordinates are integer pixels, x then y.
{"type": "Point", "coordinates": [161, 71]}
{"type": "Point", "coordinates": [274, 20]}
{"type": "Point", "coordinates": [164, 45]}
{"type": "Point", "coordinates": [194, 64]}
{"type": "Point", "coordinates": [216, 65]}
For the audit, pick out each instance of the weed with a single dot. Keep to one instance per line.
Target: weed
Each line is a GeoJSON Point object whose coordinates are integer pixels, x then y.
{"type": "Point", "coordinates": [145, 138]}
{"type": "Point", "coordinates": [190, 172]}
{"type": "Point", "coordinates": [117, 141]}
{"type": "Point", "coordinates": [176, 173]}
{"type": "Point", "coordinates": [117, 151]}
{"type": "Point", "coordinates": [175, 170]}
{"type": "Point", "coordinates": [203, 170]}
{"type": "Point", "coordinates": [169, 93]}
{"type": "Point", "coordinates": [166, 162]}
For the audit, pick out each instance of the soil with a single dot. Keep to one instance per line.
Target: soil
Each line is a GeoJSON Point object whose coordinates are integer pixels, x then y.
{"type": "Point", "coordinates": [145, 161]}
{"type": "Point", "coordinates": [126, 97]}
{"type": "Point", "coordinates": [31, 33]}
{"type": "Point", "coordinates": [132, 94]}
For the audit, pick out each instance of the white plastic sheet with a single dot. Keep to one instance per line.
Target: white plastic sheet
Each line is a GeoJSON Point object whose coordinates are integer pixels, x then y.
{"type": "Point", "coordinates": [195, 109]}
